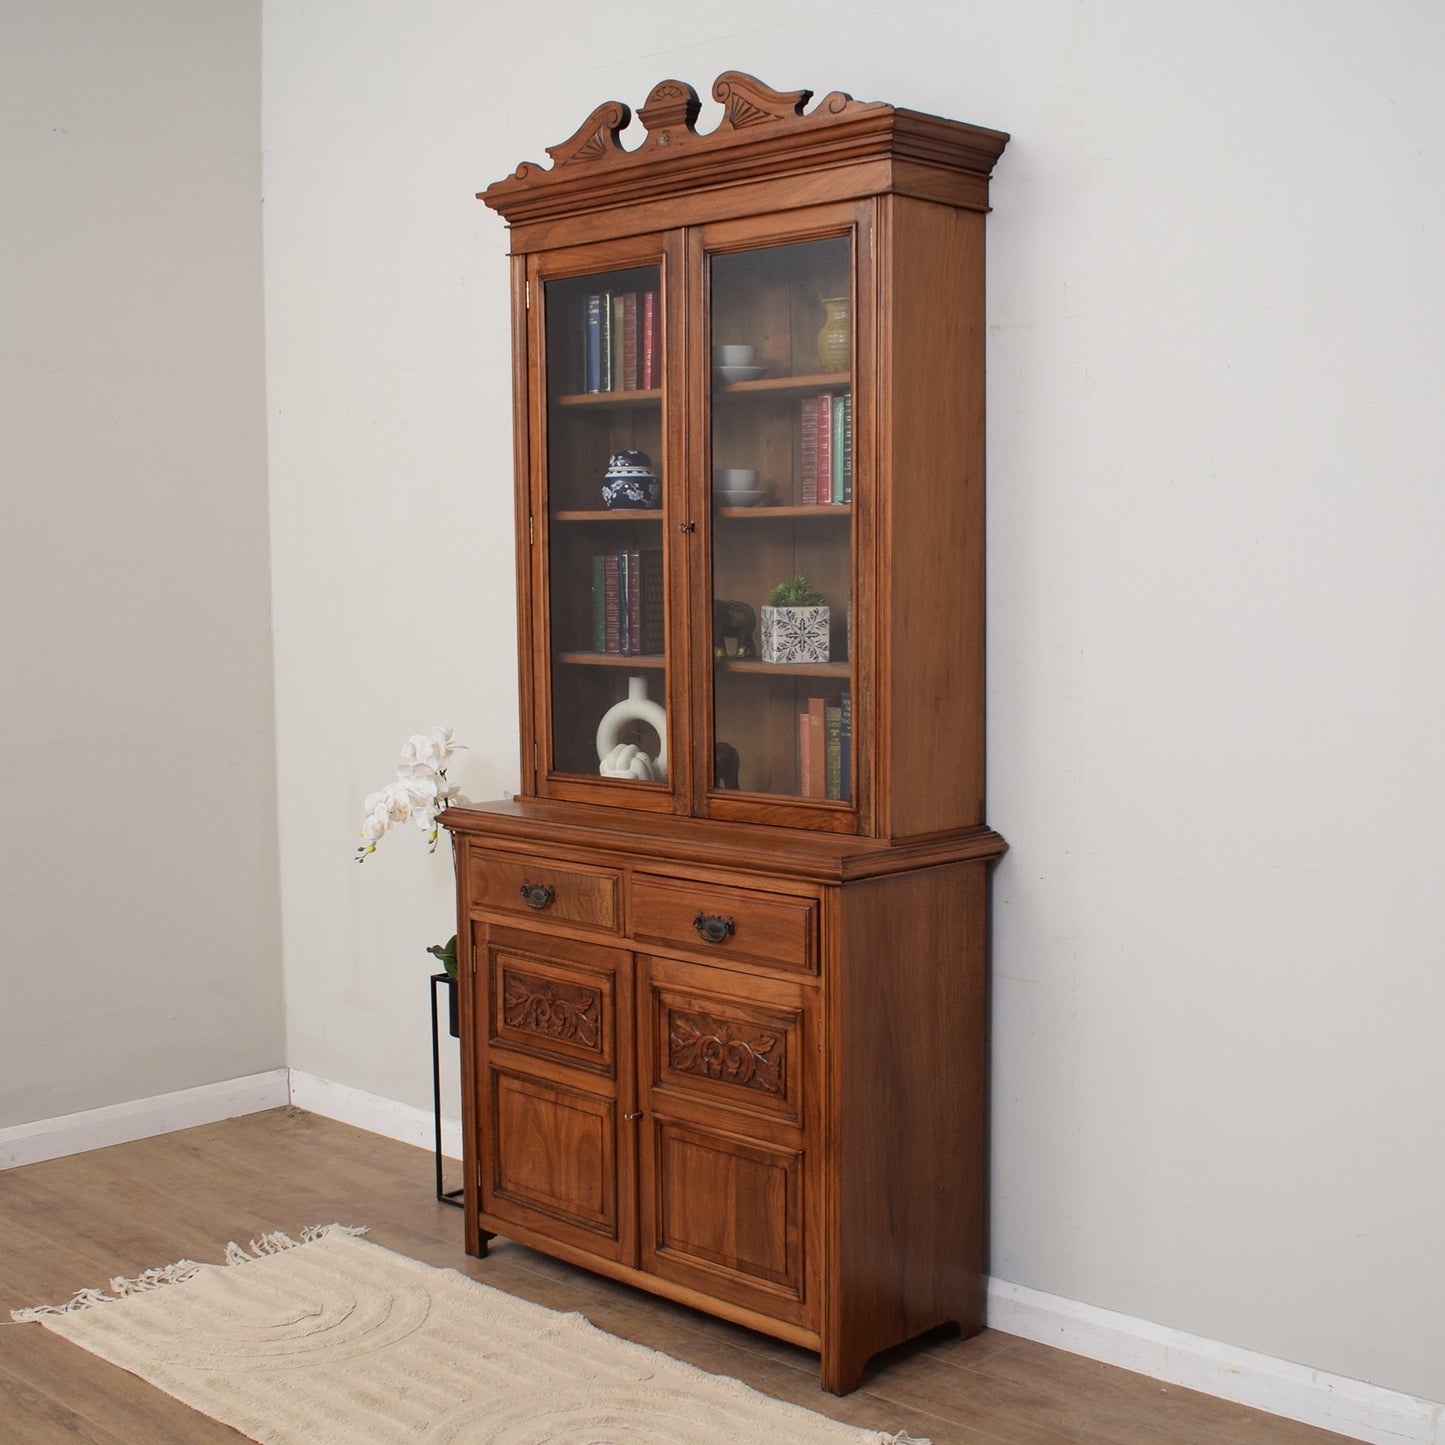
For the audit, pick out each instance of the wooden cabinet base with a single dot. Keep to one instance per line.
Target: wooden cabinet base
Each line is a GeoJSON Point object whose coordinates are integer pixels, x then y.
{"type": "Point", "coordinates": [781, 1123]}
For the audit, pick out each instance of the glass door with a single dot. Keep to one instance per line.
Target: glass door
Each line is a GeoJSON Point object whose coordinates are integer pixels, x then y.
{"type": "Point", "coordinates": [781, 332]}
{"type": "Point", "coordinates": [605, 718]}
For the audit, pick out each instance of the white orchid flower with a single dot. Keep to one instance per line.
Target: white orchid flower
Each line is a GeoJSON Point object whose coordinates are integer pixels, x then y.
{"type": "Point", "coordinates": [417, 794]}
{"type": "Point", "coordinates": [433, 753]}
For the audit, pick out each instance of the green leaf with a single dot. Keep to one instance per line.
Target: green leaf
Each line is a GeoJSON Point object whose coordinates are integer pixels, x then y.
{"type": "Point", "coordinates": [446, 955]}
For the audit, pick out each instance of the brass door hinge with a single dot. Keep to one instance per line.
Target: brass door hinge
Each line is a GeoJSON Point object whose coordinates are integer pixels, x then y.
{"type": "Point", "coordinates": [529, 295]}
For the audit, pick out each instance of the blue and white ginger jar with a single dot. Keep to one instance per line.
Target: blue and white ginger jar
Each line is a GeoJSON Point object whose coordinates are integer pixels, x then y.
{"type": "Point", "coordinates": [631, 482]}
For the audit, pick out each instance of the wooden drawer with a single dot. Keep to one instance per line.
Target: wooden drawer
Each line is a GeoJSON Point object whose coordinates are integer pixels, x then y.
{"type": "Point", "coordinates": [537, 889]}
{"type": "Point", "coordinates": [734, 925]}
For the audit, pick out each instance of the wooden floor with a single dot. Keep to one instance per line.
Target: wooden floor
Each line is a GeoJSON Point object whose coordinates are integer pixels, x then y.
{"type": "Point", "coordinates": [75, 1223]}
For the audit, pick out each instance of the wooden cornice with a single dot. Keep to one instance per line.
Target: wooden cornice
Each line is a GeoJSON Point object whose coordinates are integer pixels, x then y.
{"type": "Point", "coordinates": [764, 134]}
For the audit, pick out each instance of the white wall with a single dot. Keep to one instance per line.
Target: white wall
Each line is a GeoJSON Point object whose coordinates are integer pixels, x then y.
{"type": "Point", "coordinates": [139, 936]}
{"type": "Point", "coordinates": [1215, 675]}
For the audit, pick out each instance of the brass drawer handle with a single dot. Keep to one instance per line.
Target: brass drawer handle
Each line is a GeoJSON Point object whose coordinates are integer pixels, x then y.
{"type": "Point", "coordinates": [538, 895]}
{"type": "Point", "coordinates": [711, 928]}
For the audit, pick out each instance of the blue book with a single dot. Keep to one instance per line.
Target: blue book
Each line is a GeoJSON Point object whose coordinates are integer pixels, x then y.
{"type": "Point", "coordinates": [593, 378]}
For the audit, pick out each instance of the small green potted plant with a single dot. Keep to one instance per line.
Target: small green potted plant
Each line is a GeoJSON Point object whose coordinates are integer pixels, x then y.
{"type": "Point", "coordinates": [795, 623]}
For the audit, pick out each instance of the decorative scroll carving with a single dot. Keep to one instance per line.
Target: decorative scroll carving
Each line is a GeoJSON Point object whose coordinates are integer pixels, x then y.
{"type": "Point", "coordinates": [762, 132]}
{"type": "Point", "coordinates": [748, 101]}
{"type": "Point", "coordinates": [595, 138]}
{"type": "Point", "coordinates": [671, 111]}
{"type": "Point", "coordinates": [718, 1049]}
{"type": "Point", "coordinates": [567, 1012]}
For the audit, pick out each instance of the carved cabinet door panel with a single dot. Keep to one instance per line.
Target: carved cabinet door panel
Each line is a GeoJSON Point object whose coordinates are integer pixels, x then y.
{"type": "Point", "coordinates": [555, 1078]}
{"type": "Point", "coordinates": [728, 1170]}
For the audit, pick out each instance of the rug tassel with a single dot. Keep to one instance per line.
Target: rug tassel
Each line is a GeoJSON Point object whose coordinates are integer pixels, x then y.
{"type": "Point", "coordinates": [904, 1438]}
{"type": "Point", "coordinates": [181, 1271]}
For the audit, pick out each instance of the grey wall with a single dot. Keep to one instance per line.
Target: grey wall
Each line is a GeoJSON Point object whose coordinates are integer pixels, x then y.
{"type": "Point", "coordinates": [140, 949]}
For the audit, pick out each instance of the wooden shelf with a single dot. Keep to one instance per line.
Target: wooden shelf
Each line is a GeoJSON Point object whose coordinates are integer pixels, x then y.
{"type": "Point", "coordinates": [651, 397]}
{"type": "Point", "coordinates": [839, 670]}
{"type": "Point", "coordinates": [610, 659]}
{"type": "Point", "coordinates": [837, 381]}
{"type": "Point", "coordinates": [609, 514]}
{"type": "Point", "coordinates": [785, 514]}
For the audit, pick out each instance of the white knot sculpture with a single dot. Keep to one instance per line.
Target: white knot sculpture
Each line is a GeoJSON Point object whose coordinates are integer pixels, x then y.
{"type": "Point", "coordinates": [626, 760]}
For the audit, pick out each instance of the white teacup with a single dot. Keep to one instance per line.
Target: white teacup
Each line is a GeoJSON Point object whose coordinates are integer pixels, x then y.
{"type": "Point", "coordinates": [734, 355]}
{"type": "Point", "coordinates": [735, 479]}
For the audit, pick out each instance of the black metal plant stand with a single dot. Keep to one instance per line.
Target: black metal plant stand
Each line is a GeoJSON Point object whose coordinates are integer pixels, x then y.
{"type": "Point", "coordinates": [444, 1196]}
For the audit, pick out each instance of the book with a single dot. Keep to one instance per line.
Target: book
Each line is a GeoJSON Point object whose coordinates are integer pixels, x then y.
{"type": "Point", "coordinates": [654, 603]}
{"type": "Point", "coordinates": [815, 770]}
{"type": "Point", "coordinates": [619, 341]}
{"type": "Point", "coordinates": [651, 342]}
{"type": "Point", "coordinates": [592, 379]}
{"type": "Point", "coordinates": [624, 606]}
{"type": "Point", "coordinates": [808, 432]}
{"type": "Point", "coordinates": [604, 363]}
{"type": "Point", "coordinates": [805, 755]}
{"type": "Point", "coordinates": [833, 744]}
{"type": "Point", "coordinates": [612, 638]}
{"type": "Point", "coordinates": [634, 603]}
{"type": "Point", "coordinates": [824, 405]}
{"type": "Point", "coordinates": [845, 747]}
{"type": "Point", "coordinates": [848, 448]}
{"type": "Point", "coordinates": [599, 603]}
{"type": "Point", "coordinates": [629, 342]}
{"type": "Point", "coordinates": [839, 449]}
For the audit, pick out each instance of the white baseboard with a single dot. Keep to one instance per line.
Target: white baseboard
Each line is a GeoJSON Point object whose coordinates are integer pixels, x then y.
{"type": "Point", "coordinates": [403, 1122]}
{"type": "Point", "coordinates": [1329, 1402]}
{"type": "Point", "coordinates": [141, 1118]}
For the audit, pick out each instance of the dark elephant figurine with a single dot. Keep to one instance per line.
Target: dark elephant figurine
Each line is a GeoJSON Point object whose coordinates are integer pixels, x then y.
{"type": "Point", "coordinates": [736, 620]}
{"type": "Point", "coordinates": [725, 766]}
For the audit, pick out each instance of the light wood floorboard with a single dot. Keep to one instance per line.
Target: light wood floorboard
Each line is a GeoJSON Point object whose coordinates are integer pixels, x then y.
{"type": "Point", "coordinates": [75, 1223]}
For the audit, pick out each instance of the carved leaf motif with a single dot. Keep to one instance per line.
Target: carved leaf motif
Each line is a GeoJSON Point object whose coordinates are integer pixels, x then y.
{"type": "Point", "coordinates": [596, 137]}
{"type": "Point", "coordinates": [718, 1049]}
{"type": "Point", "coordinates": [748, 101]}
{"type": "Point", "coordinates": [554, 1010]}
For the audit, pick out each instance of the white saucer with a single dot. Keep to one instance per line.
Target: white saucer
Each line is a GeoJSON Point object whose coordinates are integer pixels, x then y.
{"type": "Point", "coordinates": [741, 373]}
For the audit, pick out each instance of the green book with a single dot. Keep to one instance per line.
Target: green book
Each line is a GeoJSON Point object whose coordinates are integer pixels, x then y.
{"type": "Point", "coordinates": [839, 447]}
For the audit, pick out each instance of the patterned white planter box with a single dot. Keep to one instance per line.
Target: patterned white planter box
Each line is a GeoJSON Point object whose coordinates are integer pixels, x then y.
{"type": "Point", "coordinates": [795, 634]}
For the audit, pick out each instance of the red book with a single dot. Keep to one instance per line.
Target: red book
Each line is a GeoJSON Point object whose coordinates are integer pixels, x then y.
{"type": "Point", "coordinates": [808, 493]}
{"type": "Point", "coordinates": [651, 342]}
{"type": "Point", "coordinates": [634, 602]}
{"type": "Point", "coordinates": [629, 342]}
{"type": "Point", "coordinates": [825, 447]}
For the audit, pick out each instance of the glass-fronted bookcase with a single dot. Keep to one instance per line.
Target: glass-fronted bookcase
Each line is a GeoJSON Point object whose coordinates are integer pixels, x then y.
{"type": "Point", "coordinates": [724, 955]}
{"type": "Point", "coordinates": [697, 560]}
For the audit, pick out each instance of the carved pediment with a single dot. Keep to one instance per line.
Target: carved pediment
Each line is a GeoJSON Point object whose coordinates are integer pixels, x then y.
{"type": "Point", "coordinates": [762, 132]}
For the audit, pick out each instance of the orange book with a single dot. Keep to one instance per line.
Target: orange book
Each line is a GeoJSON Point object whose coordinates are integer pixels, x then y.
{"type": "Point", "coordinates": [813, 746]}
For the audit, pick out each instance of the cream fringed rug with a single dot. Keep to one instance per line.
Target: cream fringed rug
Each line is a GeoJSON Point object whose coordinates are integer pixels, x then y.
{"type": "Point", "coordinates": [335, 1341]}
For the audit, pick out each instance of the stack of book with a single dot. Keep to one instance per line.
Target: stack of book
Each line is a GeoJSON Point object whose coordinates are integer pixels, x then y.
{"type": "Point", "coordinates": [622, 342]}
{"type": "Point", "coordinates": [825, 748]}
{"type": "Point", "coordinates": [826, 427]}
{"type": "Point", "coordinates": [628, 602]}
